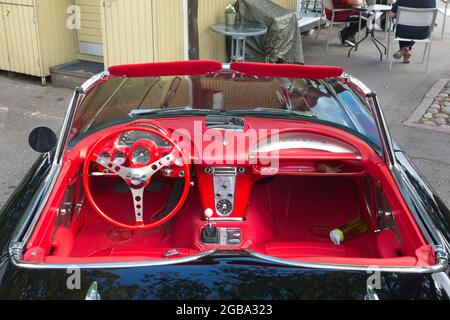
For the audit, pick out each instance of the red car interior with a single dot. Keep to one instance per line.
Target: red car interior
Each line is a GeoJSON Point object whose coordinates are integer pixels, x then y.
{"type": "Point", "coordinates": [95, 213]}
{"type": "Point", "coordinates": [288, 215]}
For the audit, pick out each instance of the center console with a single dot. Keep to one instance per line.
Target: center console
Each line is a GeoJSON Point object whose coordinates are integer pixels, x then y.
{"type": "Point", "coordinates": [226, 190]}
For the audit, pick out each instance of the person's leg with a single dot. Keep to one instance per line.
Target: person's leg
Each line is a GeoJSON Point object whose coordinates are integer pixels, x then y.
{"type": "Point", "coordinates": [405, 51]}
{"type": "Point", "coordinates": [350, 32]}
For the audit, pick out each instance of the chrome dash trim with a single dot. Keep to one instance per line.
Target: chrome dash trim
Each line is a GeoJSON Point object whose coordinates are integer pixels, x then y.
{"type": "Point", "coordinates": [225, 219]}
{"type": "Point", "coordinates": [17, 261]}
{"type": "Point", "coordinates": [440, 266]}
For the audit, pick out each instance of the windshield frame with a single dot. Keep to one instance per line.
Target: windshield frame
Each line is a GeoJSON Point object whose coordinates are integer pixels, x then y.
{"type": "Point", "coordinates": [375, 143]}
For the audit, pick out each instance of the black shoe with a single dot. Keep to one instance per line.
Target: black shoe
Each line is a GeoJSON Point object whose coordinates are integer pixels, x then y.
{"type": "Point", "coordinates": [352, 39]}
{"type": "Point", "coordinates": [341, 38]}
{"type": "Point", "coordinates": [350, 42]}
{"type": "Point", "coordinates": [347, 41]}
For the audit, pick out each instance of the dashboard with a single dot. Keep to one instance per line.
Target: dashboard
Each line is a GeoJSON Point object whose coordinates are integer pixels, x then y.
{"type": "Point", "coordinates": [226, 188]}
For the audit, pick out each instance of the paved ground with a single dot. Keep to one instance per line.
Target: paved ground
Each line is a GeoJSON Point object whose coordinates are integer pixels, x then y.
{"type": "Point", "coordinates": [24, 104]}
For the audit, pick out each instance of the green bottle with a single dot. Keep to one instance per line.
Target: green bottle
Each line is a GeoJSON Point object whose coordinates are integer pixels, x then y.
{"type": "Point", "coordinates": [350, 230]}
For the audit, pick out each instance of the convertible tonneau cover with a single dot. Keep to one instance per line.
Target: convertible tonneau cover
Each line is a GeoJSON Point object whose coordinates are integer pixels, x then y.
{"type": "Point", "coordinates": [197, 67]}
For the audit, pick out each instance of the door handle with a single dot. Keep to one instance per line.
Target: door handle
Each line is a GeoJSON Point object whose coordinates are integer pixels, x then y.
{"type": "Point", "coordinates": [6, 13]}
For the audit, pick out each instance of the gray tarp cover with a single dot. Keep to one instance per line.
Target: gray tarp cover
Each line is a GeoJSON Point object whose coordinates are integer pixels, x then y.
{"type": "Point", "coordinates": [283, 42]}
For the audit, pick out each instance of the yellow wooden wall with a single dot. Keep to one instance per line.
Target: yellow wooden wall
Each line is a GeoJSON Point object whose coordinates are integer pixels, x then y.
{"type": "Point", "coordinates": [168, 17]}
{"type": "Point", "coordinates": [58, 44]}
{"type": "Point", "coordinates": [21, 39]}
{"type": "Point", "coordinates": [288, 4]}
{"type": "Point", "coordinates": [212, 45]}
{"type": "Point", "coordinates": [136, 31]}
{"type": "Point", "coordinates": [91, 21]}
{"type": "Point", "coordinates": [35, 35]}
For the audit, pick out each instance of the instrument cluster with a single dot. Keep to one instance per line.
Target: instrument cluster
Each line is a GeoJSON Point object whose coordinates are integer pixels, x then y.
{"type": "Point", "coordinates": [136, 149]}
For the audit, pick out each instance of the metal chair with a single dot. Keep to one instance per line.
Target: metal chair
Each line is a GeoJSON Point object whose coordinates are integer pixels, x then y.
{"type": "Point", "coordinates": [415, 18]}
{"type": "Point", "coordinates": [445, 12]}
{"type": "Point", "coordinates": [328, 4]}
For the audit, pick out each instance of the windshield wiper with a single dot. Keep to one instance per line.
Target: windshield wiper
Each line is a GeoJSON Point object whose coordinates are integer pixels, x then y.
{"type": "Point", "coordinates": [269, 111]}
{"type": "Point", "coordinates": [143, 112]}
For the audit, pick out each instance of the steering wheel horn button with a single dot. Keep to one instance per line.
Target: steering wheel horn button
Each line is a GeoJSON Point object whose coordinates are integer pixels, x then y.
{"type": "Point", "coordinates": [136, 179]}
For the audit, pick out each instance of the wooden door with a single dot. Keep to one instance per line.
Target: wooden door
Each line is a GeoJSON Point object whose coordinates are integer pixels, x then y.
{"type": "Point", "coordinates": [22, 39]}
{"type": "Point", "coordinates": [4, 56]}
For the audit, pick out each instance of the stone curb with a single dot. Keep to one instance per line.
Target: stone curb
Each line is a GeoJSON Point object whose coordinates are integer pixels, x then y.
{"type": "Point", "coordinates": [425, 105]}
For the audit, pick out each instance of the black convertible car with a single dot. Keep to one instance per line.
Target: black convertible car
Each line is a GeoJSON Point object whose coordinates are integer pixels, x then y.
{"type": "Point", "coordinates": [197, 180]}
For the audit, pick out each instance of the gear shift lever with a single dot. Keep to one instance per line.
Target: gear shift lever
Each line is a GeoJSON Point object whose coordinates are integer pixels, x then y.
{"type": "Point", "coordinates": [210, 234]}
{"type": "Point", "coordinates": [208, 215]}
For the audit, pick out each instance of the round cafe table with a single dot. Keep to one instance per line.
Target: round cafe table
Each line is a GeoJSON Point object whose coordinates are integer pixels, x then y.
{"type": "Point", "coordinates": [370, 31]}
{"type": "Point", "coordinates": [239, 32]}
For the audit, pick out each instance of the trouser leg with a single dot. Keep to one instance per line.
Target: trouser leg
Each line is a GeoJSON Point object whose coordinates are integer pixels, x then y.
{"type": "Point", "coordinates": [406, 44]}
{"type": "Point", "coordinates": [352, 29]}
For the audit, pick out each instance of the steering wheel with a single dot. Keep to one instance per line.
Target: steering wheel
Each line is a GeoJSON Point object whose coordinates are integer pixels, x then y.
{"type": "Point", "coordinates": [136, 176]}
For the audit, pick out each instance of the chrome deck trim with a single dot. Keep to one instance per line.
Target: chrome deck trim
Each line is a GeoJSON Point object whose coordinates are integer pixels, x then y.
{"type": "Point", "coordinates": [440, 266]}
{"type": "Point", "coordinates": [17, 261]}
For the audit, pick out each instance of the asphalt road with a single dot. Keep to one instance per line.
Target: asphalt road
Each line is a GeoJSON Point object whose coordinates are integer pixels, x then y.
{"type": "Point", "coordinates": [25, 104]}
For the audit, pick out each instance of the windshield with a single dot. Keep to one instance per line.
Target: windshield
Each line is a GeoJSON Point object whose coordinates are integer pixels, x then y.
{"type": "Point", "coordinates": [125, 99]}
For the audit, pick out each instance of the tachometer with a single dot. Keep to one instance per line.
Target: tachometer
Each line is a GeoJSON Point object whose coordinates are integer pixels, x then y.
{"type": "Point", "coordinates": [120, 158]}
{"type": "Point", "coordinates": [141, 155]}
{"type": "Point", "coordinates": [104, 157]}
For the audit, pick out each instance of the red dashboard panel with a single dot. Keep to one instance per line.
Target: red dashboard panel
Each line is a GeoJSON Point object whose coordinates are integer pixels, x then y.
{"type": "Point", "coordinates": [208, 194]}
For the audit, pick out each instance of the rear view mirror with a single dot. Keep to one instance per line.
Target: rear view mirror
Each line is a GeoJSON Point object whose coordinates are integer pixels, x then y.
{"type": "Point", "coordinates": [42, 140]}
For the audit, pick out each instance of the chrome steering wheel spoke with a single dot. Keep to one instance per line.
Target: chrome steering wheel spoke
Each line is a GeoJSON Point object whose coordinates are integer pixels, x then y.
{"type": "Point", "coordinates": [147, 172]}
{"type": "Point", "coordinates": [138, 200]}
{"type": "Point", "coordinates": [121, 171]}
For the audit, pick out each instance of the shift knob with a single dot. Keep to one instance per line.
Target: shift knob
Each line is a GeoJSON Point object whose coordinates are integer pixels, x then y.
{"type": "Point", "coordinates": [209, 213]}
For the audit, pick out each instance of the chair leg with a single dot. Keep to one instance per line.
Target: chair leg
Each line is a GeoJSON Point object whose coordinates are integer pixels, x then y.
{"type": "Point", "coordinates": [329, 34]}
{"type": "Point", "coordinates": [425, 51]}
{"type": "Point", "coordinates": [319, 26]}
{"type": "Point", "coordinates": [358, 36]}
{"type": "Point", "coordinates": [428, 57]}
{"type": "Point", "coordinates": [388, 46]}
{"type": "Point", "coordinates": [443, 23]}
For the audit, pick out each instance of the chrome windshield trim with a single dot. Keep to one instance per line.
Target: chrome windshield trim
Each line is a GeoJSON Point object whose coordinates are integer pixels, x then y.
{"type": "Point", "coordinates": [440, 266]}
{"type": "Point", "coordinates": [386, 139]}
{"type": "Point", "coordinates": [17, 261]}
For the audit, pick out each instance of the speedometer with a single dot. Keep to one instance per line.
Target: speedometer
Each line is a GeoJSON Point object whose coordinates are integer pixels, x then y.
{"type": "Point", "coordinates": [141, 155]}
